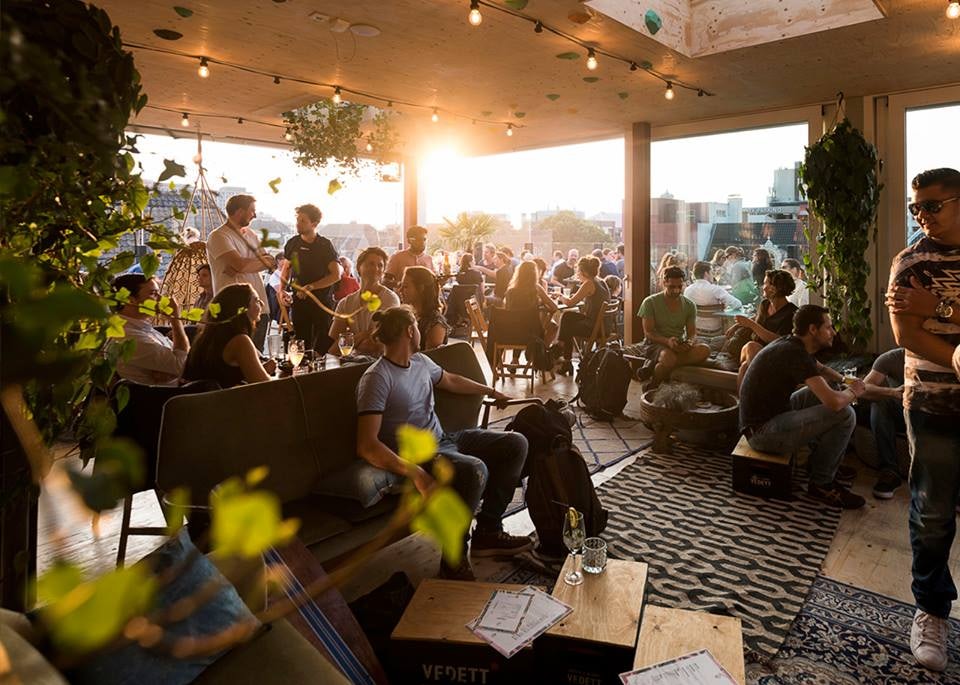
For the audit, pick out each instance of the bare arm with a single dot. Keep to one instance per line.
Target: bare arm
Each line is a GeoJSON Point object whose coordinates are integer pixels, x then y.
{"type": "Point", "coordinates": [650, 333]}
{"type": "Point", "coordinates": [455, 383]}
{"type": "Point", "coordinates": [829, 374]}
{"type": "Point", "coordinates": [691, 330]}
{"type": "Point", "coordinates": [375, 453]}
{"type": "Point", "coordinates": [583, 292]}
{"type": "Point", "coordinates": [180, 340]}
{"type": "Point", "coordinates": [240, 351]}
{"type": "Point", "coordinates": [243, 265]}
{"type": "Point", "coordinates": [545, 300]}
{"type": "Point", "coordinates": [876, 388]}
{"type": "Point", "coordinates": [434, 337]}
{"type": "Point", "coordinates": [909, 333]}
{"type": "Point", "coordinates": [334, 274]}
{"type": "Point", "coordinates": [834, 399]}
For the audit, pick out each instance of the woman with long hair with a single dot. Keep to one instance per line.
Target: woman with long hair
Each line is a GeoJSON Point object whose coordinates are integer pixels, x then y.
{"type": "Point", "coordinates": [593, 292]}
{"type": "Point", "coordinates": [467, 275]}
{"type": "Point", "coordinates": [223, 350]}
{"type": "Point", "coordinates": [762, 263]}
{"type": "Point", "coordinates": [419, 290]}
{"type": "Point", "coordinates": [774, 317]}
{"type": "Point", "coordinates": [525, 292]}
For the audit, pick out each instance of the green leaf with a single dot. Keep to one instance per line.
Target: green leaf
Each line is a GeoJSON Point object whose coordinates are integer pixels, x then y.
{"type": "Point", "coordinates": [333, 187]}
{"type": "Point", "coordinates": [149, 263]}
{"type": "Point", "coordinates": [183, 11]}
{"type": "Point", "coordinates": [121, 397]}
{"type": "Point", "coordinates": [167, 34]}
{"type": "Point", "coordinates": [416, 445]}
{"type": "Point", "coordinates": [214, 309]}
{"type": "Point", "coordinates": [569, 55]}
{"type": "Point", "coordinates": [652, 21]}
{"type": "Point", "coordinates": [519, 115]}
{"type": "Point", "coordinates": [623, 95]}
{"type": "Point", "coordinates": [445, 518]}
{"type": "Point", "coordinates": [57, 582]}
{"type": "Point", "coordinates": [194, 314]}
{"type": "Point", "coordinates": [87, 341]}
{"type": "Point", "coordinates": [553, 96]}
{"type": "Point", "coordinates": [273, 184]}
{"type": "Point", "coordinates": [516, 4]}
{"type": "Point", "coordinates": [591, 79]}
{"type": "Point", "coordinates": [247, 524]}
{"type": "Point", "coordinates": [256, 476]}
{"type": "Point", "coordinates": [171, 169]}
{"type": "Point", "coordinates": [177, 502]}
{"type": "Point", "coordinates": [115, 326]}
{"type": "Point", "coordinates": [93, 613]}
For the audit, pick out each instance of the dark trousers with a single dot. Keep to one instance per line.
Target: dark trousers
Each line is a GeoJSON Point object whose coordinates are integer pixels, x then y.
{"type": "Point", "coordinates": [312, 324]}
{"type": "Point", "coordinates": [572, 324]}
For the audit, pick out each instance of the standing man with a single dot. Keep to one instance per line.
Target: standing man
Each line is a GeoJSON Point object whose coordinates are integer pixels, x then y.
{"type": "Point", "coordinates": [315, 266]}
{"type": "Point", "coordinates": [621, 260]}
{"type": "Point", "coordinates": [924, 303]}
{"type": "Point", "coordinates": [235, 256]}
{"type": "Point", "coordinates": [703, 292]}
{"type": "Point", "coordinates": [669, 327]}
{"type": "Point", "coordinates": [414, 255]}
{"type": "Point", "coordinates": [776, 418]}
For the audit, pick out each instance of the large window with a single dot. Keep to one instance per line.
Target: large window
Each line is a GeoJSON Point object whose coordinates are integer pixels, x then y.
{"type": "Point", "coordinates": [931, 143]}
{"type": "Point", "coordinates": [737, 189]}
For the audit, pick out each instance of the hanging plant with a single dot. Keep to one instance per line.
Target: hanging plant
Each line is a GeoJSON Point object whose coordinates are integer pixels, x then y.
{"type": "Point", "coordinates": [326, 134]}
{"type": "Point", "coordinates": [839, 178]}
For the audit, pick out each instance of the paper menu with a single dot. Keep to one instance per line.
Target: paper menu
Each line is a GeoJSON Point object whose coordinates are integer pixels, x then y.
{"type": "Point", "coordinates": [504, 611]}
{"type": "Point", "coordinates": [543, 612]}
{"type": "Point", "coordinates": [696, 668]}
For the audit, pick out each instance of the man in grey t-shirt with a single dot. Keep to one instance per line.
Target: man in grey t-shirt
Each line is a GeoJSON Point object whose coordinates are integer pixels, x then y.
{"type": "Point", "coordinates": [398, 390]}
{"type": "Point", "coordinates": [885, 392]}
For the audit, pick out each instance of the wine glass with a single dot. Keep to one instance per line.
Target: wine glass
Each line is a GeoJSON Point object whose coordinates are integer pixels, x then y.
{"type": "Point", "coordinates": [849, 376]}
{"type": "Point", "coordinates": [295, 352]}
{"type": "Point", "coordinates": [573, 537]}
{"type": "Point", "coordinates": [345, 343]}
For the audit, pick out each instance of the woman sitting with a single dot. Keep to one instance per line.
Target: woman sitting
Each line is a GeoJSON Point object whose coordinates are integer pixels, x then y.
{"type": "Point", "coordinates": [467, 275]}
{"type": "Point", "coordinates": [419, 290]}
{"type": "Point", "coordinates": [223, 350]}
{"type": "Point", "coordinates": [593, 292]}
{"type": "Point", "coordinates": [774, 317]}
{"type": "Point", "coordinates": [525, 292]}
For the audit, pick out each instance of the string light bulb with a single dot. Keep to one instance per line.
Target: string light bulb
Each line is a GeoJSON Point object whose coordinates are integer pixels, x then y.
{"type": "Point", "coordinates": [475, 17]}
{"type": "Point", "coordinates": [369, 146]}
{"type": "Point", "coordinates": [509, 130]}
{"type": "Point", "coordinates": [239, 120]}
{"type": "Point", "coordinates": [435, 117]}
{"type": "Point", "coordinates": [185, 121]}
{"type": "Point", "coordinates": [538, 27]}
{"type": "Point", "coordinates": [953, 9]}
{"type": "Point", "coordinates": [337, 99]}
{"type": "Point", "coordinates": [633, 66]}
{"type": "Point", "coordinates": [276, 80]}
{"type": "Point", "coordinates": [591, 60]}
{"type": "Point", "coordinates": [668, 93]}
{"type": "Point", "coordinates": [203, 71]}
{"type": "Point", "coordinates": [288, 136]}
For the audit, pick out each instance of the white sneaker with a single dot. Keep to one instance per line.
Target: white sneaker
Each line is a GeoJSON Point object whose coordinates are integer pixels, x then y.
{"type": "Point", "coordinates": [928, 640]}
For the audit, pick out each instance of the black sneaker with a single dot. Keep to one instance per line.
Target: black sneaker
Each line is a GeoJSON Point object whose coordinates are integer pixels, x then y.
{"type": "Point", "coordinates": [462, 571]}
{"type": "Point", "coordinates": [836, 496]}
{"type": "Point", "coordinates": [887, 484]}
{"type": "Point", "coordinates": [498, 544]}
{"type": "Point", "coordinates": [845, 474]}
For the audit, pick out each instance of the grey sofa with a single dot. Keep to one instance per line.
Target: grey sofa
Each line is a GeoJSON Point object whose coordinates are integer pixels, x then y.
{"type": "Point", "coordinates": [304, 429]}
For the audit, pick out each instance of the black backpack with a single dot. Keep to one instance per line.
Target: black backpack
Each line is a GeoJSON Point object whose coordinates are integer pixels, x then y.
{"type": "Point", "coordinates": [557, 476]}
{"type": "Point", "coordinates": [603, 380]}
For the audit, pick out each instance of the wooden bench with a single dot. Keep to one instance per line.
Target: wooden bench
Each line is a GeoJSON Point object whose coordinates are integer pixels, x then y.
{"type": "Point", "coordinates": [668, 633]}
{"type": "Point", "coordinates": [761, 473]}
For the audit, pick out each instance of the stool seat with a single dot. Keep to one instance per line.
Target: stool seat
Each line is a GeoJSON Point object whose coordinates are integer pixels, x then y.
{"type": "Point", "coordinates": [761, 473]}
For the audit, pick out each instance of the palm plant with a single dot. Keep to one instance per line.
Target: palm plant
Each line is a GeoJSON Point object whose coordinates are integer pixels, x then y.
{"type": "Point", "coordinates": [467, 230]}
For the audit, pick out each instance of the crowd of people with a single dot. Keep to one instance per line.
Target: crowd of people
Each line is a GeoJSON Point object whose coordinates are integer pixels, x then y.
{"type": "Point", "coordinates": [788, 399]}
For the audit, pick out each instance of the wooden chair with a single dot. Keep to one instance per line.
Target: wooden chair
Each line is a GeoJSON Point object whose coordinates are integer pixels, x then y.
{"type": "Point", "coordinates": [512, 330]}
{"type": "Point", "coordinates": [598, 336]}
{"type": "Point", "coordinates": [478, 324]}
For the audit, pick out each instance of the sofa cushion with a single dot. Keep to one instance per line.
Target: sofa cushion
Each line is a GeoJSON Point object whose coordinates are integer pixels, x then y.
{"type": "Point", "coordinates": [316, 524]}
{"type": "Point", "coordinates": [353, 511]}
{"type": "Point", "coordinates": [361, 482]}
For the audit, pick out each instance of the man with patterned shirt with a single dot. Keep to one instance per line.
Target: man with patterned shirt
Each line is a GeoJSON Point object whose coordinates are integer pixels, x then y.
{"type": "Point", "coordinates": [924, 303]}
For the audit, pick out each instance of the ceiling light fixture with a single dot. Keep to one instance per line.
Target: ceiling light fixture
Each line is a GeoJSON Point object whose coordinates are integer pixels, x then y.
{"type": "Point", "coordinates": [435, 117]}
{"type": "Point", "coordinates": [538, 27]}
{"type": "Point", "coordinates": [633, 66]}
{"type": "Point", "coordinates": [185, 121]}
{"type": "Point", "coordinates": [509, 130]}
{"type": "Point", "coordinates": [953, 9]}
{"type": "Point", "coordinates": [369, 147]}
{"type": "Point", "coordinates": [276, 80]}
{"type": "Point", "coordinates": [203, 71]}
{"type": "Point", "coordinates": [337, 99]}
{"type": "Point", "coordinates": [475, 17]}
{"type": "Point", "coordinates": [591, 59]}
{"type": "Point", "coordinates": [668, 93]}
{"type": "Point", "coordinates": [239, 120]}
{"type": "Point", "coordinates": [288, 136]}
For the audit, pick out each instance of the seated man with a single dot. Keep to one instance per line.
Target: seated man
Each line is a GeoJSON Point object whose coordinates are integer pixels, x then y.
{"type": "Point", "coordinates": [398, 389]}
{"type": "Point", "coordinates": [669, 327]}
{"type": "Point", "coordinates": [703, 292]}
{"type": "Point", "coordinates": [502, 277]}
{"type": "Point", "coordinates": [775, 417]}
{"type": "Point", "coordinates": [370, 267]}
{"type": "Point", "coordinates": [156, 359]}
{"type": "Point", "coordinates": [884, 386]}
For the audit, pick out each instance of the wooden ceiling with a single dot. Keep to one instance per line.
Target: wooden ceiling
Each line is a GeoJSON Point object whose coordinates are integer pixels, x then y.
{"type": "Point", "coordinates": [427, 53]}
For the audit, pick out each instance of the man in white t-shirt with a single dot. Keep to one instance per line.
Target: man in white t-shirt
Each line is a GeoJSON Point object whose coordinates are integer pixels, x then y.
{"type": "Point", "coordinates": [235, 256]}
{"type": "Point", "coordinates": [706, 293]}
{"type": "Point", "coordinates": [371, 265]}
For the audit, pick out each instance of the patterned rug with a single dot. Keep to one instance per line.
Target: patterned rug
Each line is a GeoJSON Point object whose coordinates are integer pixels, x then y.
{"type": "Point", "coordinates": [847, 636]}
{"type": "Point", "coordinates": [710, 549]}
{"type": "Point", "coordinates": [602, 444]}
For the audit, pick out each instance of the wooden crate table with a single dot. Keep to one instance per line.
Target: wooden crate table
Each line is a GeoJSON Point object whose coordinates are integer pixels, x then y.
{"type": "Point", "coordinates": [668, 633]}
{"type": "Point", "coordinates": [431, 643]}
{"type": "Point", "coordinates": [596, 642]}
{"type": "Point", "coordinates": [760, 473]}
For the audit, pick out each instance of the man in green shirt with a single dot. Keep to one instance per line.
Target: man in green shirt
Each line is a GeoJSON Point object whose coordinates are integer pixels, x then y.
{"type": "Point", "coordinates": [669, 327]}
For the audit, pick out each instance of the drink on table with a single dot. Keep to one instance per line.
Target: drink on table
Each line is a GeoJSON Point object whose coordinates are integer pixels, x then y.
{"type": "Point", "coordinates": [295, 352]}
{"type": "Point", "coordinates": [573, 536]}
{"type": "Point", "coordinates": [345, 343]}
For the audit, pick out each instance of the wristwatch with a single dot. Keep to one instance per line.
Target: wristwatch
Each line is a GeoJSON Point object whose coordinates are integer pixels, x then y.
{"type": "Point", "coordinates": [944, 311]}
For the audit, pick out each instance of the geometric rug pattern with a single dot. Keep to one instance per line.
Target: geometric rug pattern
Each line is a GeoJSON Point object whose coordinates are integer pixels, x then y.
{"type": "Point", "coordinates": [711, 549]}
{"type": "Point", "coordinates": [848, 636]}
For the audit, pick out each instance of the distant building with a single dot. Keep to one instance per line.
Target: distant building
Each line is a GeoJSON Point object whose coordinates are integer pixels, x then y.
{"type": "Point", "coordinates": [350, 239]}
{"type": "Point", "coordinates": [785, 185]}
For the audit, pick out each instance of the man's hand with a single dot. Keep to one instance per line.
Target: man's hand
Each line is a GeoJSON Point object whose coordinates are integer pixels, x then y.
{"type": "Point", "coordinates": [270, 366]}
{"type": "Point", "coordinates": [913, 301]}
{"type": "Point", "coordinates": [271, 262]}
{"type": "Point", "coordinates": [857, 386]}
{"type": "Point", "coordinates": [672, 343]}
{"type": "Point", "coordinates": [500, 400]}
{"type": "Point", "coordinates": [422, 480]}
{"type": "Point", "coordinates": [744, 321]}
{"type": "Point", "coordinates": [174, 315]}
{"type": "Point", "coordinates": [896, 393]}
{"type": "Point", "coordinates": [301, 294]}
{"type": "Point", "coordinates": [284, 297]}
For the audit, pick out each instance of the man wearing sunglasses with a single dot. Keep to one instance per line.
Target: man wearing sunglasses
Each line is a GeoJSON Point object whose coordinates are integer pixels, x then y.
{"type": "Point", "coordinates": [924, 303]}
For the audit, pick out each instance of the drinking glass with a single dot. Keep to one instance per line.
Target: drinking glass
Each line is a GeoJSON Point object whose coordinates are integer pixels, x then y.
{"type": "Point", "coordinates": [594, 555]}
{"type": "Point", "coordinates": [345, 343]}
{"type": "Point", "coordinates": [849, 376]}
{"type": "Point", "coordinates": [295, 351]}
{"type": "Point", "coordinates": [274, 344]}
{"type": "Point", "coordinates": [573, 537]}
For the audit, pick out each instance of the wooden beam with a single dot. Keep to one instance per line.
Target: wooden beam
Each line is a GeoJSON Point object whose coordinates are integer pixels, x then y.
{"type": "Point", "coordinates": [636, 226]}
{"type": "Point", "coordinates": [410, 191]}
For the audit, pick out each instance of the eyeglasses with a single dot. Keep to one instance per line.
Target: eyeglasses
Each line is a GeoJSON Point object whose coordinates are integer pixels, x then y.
{"type": "Point", "coordinates": [929, 206]}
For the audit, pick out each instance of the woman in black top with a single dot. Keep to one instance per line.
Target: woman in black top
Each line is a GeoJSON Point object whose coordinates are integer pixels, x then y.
{"type": "Point", "coordinates": [419, 289]}
{"type": "Point", "coordinates": [774, 317]}
{"type": "Point", "coordinates": [594, 294]}
{"type": "Point", "coordinates": [762, 263]}
{"type": "Point", "coordinates": [223, 350]}
{"type": "Point", "coordinates": [467, 275]}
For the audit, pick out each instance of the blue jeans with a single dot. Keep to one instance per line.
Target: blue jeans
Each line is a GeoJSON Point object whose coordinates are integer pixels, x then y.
{"type": "Point", "coordinates": [884, 416]}
{"type": "Point", "coordinates": [809, 423]}
{"type": "Point", "coordinates": [487, 466]}
{"type": "Point", "coordinates": [934, 488]}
